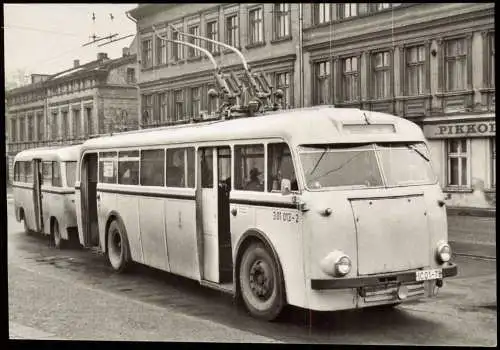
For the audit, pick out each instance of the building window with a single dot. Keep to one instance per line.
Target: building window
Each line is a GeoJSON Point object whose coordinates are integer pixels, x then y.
{"type": "Point", "coordinates": [147, 50]}
{"type": "Point", "coordinates": [40, 126]}
{"type": "Point", "coordinates": [77, 121]}
{"type": "Point", "coordinates": [493, 162]}
{"type": "Point", "coordinates": [350, 79]}
{"type": "Point", "coordinates": [382, 75]}
{"type": "Point", "coordinates": [177, 50]}
{"type": "Point", "coordinates": [131, 76]}
{"type": "Point", "coordinates": [322, 93]}
{"type": "Point", "coordinates": [164, 107]}
{"type": "Point", "coordinates": [282, 21]}
{"type": "Point", "coordinates": [30, 128]}
{"type": "Point", "coordinates": [179, 105]}
{"type": "Point", "coordinates": [283, 83]}
{"type": "Point", "coordinates": [416, 70]}
{"type": "Point", "coordinates": [53, 126]}
{"type": "Point", "coordinates": [322, 13]}
{"type": "Point", "coordinates": [65, 125]}
{"type": "Point", "coordinates": [13, 130]}
{"type": "Point", "coordinates": [348, 10]}
{"type": "Point", "coordinates": [456, 65]}
{"type": "Point", "coordinates": [256, 26]}
{"type": "Point", "coordinates": [232, 30]}
{"type": "Point", "coordinates": [458, 162]}
{"type": "Point", "coordinates": [192, 52]}
{"type": "Point", "coordinates": [22, 129]}
{"type": "Point", "coordinates": [89, 123]}
{"type": "Point", "coordinates": [212, 34]}
{"type": "Point", "coordinates": [147, 109]}
{"type": "Point", "coordinates": [195, 102]}
{"type": "Point", "coordinates": [161, 51]}
{"type": "Point", "coordinates": [491, 57]}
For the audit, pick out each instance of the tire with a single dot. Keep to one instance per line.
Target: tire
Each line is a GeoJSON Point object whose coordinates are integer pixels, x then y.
{"type": "Point", "coordinates": [55, 234]}
{"type": "Point", "coordinates": [118, 250]}
{"type": "Point", "coordinates": [261, 283]}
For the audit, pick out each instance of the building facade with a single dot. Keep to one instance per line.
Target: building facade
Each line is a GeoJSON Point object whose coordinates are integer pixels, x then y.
{"type": "Point", "coordinates": [69, 107]}
{"type": "Point", "coordinates": [432, 63]}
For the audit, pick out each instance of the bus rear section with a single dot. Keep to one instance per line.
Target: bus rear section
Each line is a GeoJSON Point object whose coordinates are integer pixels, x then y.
{"type": "Point", "coordinates": [44, 192]}
{"type": "Point", "coordinates": [376, 225]}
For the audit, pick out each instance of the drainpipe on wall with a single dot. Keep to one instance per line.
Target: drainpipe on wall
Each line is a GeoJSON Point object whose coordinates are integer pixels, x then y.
{"type": "Point", "coordinates": [138, 70]}
{"type": "Point", "coordinates": [301, 56]}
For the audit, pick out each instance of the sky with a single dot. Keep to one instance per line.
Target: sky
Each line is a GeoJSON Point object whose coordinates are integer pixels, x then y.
{"type": "Point", "coordinates": [46, 38]}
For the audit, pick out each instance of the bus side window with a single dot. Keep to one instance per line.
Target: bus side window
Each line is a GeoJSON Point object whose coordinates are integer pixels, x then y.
{"type": "Point", "coordinates": [47, 173]}
{"type": "Point", "coordinates": [28, 172]}
{"type": "Point", "coordinates": [279, 167]}
{"type": "Point", "coordinates": [108, 168]}
{"type": "Point", "coordinates": [207, 168]}
{"type": "Point", "coordinates": [180, 166]}
{"type": "Point", "coordinates": [56, 174]}
{"type": "Point", "coordinates": [16, 171]}
{"type": "Point", "coordinates": [128, 168]}
{"type": "Point", "coordinates": [153, 167]}
{"type": "Point", "coordinates": [249, 167]}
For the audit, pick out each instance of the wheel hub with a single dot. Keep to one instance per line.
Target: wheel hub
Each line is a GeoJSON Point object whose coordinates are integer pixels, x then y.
{"type": "Point", "coordinates": [261, 282]}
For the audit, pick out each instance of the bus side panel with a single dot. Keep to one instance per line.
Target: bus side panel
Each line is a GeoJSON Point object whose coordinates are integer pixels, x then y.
{"type": "Point", "coordinates": [128, 208]}
{"type": "Point", "coordinates": [152, 231]}
{"type": "Point", "coordinates": [29, 208]}
{"type": "Point", "coordinates": [180, 221]}
{"type": "Point", "coordinates": [47, 209]}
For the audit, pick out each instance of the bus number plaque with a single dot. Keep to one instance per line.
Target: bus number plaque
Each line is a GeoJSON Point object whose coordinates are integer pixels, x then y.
{"type": "Point", "coordinates": [284, 216]}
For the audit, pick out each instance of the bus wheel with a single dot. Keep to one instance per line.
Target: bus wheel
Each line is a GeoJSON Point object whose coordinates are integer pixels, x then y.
{"type": "Point", "coordinates": [261, 284]}
{"type": "Point", "coordinates": [118, 249]}
{"type": "Point", "coordinates": [56, 235]}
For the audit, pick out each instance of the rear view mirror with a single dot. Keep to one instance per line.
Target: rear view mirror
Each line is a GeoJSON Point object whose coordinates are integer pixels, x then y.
{"type": "Point", "coordinates": [285, 187]}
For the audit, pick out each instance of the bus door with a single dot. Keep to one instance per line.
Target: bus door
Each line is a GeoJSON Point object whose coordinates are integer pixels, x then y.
{"type": "Point", "coordinates": [37, 194]}
{"type": "Point", "coordinates": [215, 255]}
{"type": "Point", "coordinates": [89, 235]}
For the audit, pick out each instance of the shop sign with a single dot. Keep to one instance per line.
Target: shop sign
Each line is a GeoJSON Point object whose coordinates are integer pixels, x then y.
{"type": "Point", "coordinates": [471, 129]}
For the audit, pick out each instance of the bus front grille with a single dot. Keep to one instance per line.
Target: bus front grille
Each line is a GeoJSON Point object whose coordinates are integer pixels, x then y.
{"type": "Point", "coordinates": [389, 293]}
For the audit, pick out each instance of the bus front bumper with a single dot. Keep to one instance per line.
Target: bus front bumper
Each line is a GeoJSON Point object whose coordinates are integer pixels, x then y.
{"type": "Point", "coordinates": [449, 270]}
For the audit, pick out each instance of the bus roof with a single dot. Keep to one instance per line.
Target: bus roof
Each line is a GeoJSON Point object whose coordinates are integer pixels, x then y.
{"type": "Point", "coordinates": [68, 153]}
{"type": "Point", "coordinates": [314, 125]}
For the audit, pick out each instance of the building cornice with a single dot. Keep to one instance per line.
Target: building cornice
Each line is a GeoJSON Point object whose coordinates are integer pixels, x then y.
{"type": "Point", "coordinates": [373, 35]}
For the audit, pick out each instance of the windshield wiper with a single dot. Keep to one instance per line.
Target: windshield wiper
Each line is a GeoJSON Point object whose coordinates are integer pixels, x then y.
{"type": "Point", "coordinates": [412, 147]}
{"type": "Point", "coordinates": [319, 160]}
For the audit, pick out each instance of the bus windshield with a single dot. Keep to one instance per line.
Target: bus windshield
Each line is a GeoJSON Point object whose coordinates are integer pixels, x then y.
{"type": "Point", "coordinates": [356, 165]}
{"type": "Point", "coordinates": [70, 174]}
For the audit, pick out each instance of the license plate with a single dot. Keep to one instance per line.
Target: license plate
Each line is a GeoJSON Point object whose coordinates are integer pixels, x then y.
{"type": "Point", "coordinates": [426, 275]}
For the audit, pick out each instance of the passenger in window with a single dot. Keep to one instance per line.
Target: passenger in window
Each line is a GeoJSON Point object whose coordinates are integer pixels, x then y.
{"type": "Point", "coordinates": [255, 183]}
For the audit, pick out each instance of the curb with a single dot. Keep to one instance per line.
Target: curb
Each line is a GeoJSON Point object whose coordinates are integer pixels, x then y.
{"type": "Point", "coordinates": [487, 251]}
{"type": "Point", "coordinates": [468, 211]}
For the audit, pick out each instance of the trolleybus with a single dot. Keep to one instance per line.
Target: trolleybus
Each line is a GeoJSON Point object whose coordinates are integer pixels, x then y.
{"type": "Point", "coordinates": [323, 208]}
{"type": "Point", "coordinates": [44, 193]}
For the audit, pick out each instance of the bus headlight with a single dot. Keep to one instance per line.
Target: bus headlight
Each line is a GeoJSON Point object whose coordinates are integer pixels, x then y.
{"type": "Point", "coordinates": [443, 252]}
{"type": "Point", "coordinates": [336, 264]}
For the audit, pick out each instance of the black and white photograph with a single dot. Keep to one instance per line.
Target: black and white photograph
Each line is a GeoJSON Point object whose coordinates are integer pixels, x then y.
{"type": "Point", "coordinates": [297, 173]}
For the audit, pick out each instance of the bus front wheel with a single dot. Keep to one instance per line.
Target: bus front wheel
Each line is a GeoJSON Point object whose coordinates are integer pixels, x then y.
{"type": "Point", "coordinates": [260, 282]}
{"type": "Point", "coordinates": [118, 249]}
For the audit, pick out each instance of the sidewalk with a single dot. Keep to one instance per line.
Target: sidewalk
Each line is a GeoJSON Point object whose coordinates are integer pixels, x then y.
{"type": "Point", "coordinates": [472, 235]}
